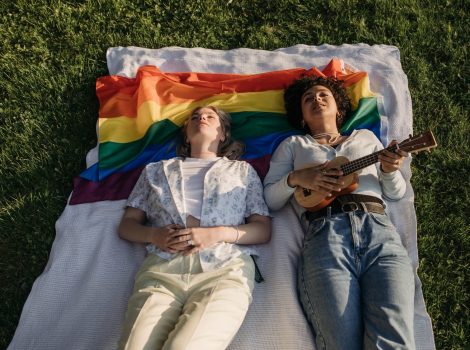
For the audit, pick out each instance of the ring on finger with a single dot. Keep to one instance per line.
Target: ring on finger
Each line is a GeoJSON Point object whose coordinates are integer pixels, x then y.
{"type": "Point", "coordinates": [190, 242]}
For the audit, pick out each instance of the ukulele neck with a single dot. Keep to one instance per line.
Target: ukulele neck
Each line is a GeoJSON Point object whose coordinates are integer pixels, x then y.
{"type": "Point", "coordinates": [363, 162]}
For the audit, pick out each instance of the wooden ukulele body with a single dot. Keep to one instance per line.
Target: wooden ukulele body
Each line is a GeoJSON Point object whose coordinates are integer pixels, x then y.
{"type": "Point", "coordinates": [313, 201]}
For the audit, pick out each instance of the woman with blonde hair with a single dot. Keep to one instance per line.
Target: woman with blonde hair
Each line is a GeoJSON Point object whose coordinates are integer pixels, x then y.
{"type": "Point", "coordinates": [200, 214]}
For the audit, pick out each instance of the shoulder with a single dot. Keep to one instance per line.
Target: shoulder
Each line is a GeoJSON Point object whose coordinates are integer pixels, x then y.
{"type": "Point", "coordinates": [292, 145]}
{"type": "Point", "coordinates": [239, 165]}
{"type": "Point", "coordinates": [364, 132]}
{"type": "Point", "coordinates": [295, 139]}
{"type": "Point", "coordinates": [365, 135]}
{"type": "Point", "coordinates": [152, 167]}
{"type": "Point", "coordinates": [158, 167]}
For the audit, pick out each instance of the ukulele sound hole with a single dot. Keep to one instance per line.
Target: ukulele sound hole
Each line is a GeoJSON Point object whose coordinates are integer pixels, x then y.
{"type": "Point", "coordinates": [307, 192]}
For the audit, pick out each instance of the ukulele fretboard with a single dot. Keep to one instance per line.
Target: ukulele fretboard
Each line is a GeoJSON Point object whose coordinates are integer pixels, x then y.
{"type": "Point", "coordinates": [363, 162]}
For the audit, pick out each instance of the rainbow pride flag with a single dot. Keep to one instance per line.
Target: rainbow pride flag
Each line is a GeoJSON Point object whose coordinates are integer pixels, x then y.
{"type": "Point", "coordinates": [140, 119]}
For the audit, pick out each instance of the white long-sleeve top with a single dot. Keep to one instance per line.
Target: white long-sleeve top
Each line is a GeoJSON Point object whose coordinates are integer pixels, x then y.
{"type": "Point", "coordinates": [299, 151]}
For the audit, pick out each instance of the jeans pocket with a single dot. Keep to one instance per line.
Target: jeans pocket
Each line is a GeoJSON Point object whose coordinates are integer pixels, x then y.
{"type": "Point", "coordinates": [382, 220]}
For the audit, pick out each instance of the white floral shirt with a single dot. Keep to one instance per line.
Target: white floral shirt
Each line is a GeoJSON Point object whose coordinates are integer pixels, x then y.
{"type": "Point", "coordinates": [232, 192]}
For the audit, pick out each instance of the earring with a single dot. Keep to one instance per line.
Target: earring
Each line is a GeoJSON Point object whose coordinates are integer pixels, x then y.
{"type": "Point", "coordinates": [302, 123]}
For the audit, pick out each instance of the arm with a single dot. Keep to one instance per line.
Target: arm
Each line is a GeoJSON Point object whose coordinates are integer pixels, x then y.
{"type": "Point", "coordinates": [281, 180]}
{"type": "Point", "coordinates": [256, 230]}
{"type": "Point", "coordinates": [392, 181]}
{"type": "Point", "coordinates": [276, 189]}
{"type": "Point", "coordinates": [132, 228]}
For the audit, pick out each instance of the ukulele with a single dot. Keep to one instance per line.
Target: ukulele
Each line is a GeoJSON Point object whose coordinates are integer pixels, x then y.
{"type": "Point", "coordinates": [313, 201]}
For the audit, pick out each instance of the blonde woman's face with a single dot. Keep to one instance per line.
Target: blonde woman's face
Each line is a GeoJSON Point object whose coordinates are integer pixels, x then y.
{"type": "Point", "coordinates": [204, 125]}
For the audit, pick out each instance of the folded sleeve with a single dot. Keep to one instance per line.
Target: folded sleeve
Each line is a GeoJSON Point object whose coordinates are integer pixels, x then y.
{"type": "Point", "coordinates": [255, 203]}
{"type": "Point", "coordinates": [140, 193]}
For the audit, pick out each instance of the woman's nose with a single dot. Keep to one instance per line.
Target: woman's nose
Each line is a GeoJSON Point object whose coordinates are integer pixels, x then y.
{"type": "Point", "coordinates": [202, 116]}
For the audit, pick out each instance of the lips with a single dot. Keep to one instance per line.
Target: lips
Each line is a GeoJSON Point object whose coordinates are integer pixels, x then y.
{"type": "Point", "coordinates": [318, 106]}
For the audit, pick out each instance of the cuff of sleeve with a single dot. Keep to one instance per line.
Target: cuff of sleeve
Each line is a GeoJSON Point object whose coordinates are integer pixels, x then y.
{"type": "Point", "coordinates": [389, 176]}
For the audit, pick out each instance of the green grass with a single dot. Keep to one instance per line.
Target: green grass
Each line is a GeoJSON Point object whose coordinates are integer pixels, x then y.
{"type": "Point", "coordinates": [52, 52]}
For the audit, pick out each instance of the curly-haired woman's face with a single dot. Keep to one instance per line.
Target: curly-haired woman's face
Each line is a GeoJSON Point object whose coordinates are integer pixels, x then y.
{"type": "Point", "coordinates": [318, 105]}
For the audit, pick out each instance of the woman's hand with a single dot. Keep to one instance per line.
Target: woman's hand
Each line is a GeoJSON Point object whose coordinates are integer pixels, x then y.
{"type": "Point", "coordinates": [192, 239]}
{"type": "Point", "coordinates": [163, 237]}
{"type": "Point", "coordinates": [391, 161]}
{"type": "Point", "coordinates": [317, 178]}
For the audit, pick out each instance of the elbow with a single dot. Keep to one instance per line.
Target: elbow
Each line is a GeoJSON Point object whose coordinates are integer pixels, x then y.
{"type": "Point", "coordinates": [275, 206]}
{"type": "Point", "coordinates": [121, 230]}
{"type": "Point", "coordinates": [272, 203]}
{"type": "Point", "coordinates": [266, 236]}
{"type": "Point", "coordinates": [394, 197]}
{"type": "Point", "coordinates": [271, 196]}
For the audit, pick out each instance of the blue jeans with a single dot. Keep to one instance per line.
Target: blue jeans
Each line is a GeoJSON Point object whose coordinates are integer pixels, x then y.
{"type": "Point", "coordinates": [356, 283]}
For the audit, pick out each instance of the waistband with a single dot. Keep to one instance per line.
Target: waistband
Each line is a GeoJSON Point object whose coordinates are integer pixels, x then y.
{"type": "Point", "coordinates": [349, 203]}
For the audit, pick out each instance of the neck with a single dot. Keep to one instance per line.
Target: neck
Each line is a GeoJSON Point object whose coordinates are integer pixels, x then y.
{"type": "Point", "coordinates": [204, 151]}
{"type": "Point", "coordinates": [325, 131]}
{"type": "Point", "coordinates": [325, 134]}
{"type": "Point", "coordinates": [202, 155]}
{"type": "Point", "coordinates": [323, 127]}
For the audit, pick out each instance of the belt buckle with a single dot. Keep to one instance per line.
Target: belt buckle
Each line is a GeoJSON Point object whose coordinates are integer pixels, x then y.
{"type": "Point", "coordinates": [354, 207]}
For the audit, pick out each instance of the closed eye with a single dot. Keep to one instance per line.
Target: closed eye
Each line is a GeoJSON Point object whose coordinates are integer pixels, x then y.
{"type": "Point", "coordinates": [309, 97]}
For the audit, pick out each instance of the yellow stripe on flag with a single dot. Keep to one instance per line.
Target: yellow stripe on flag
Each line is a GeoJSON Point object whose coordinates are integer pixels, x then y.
{"type": "Point", "coordinates": [125, 129]}
{"type": "Point", "coordinates": [359, 90]}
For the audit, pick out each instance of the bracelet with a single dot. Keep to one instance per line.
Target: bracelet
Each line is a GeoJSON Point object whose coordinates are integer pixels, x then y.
{"type": "Point", "coordinates": [238, 235]}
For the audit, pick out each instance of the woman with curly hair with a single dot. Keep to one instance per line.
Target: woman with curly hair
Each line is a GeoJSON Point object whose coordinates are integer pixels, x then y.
{"type": "Point", "coordinates": [200, 214]}
{"type": "Point", "coordinates": [355, 281]}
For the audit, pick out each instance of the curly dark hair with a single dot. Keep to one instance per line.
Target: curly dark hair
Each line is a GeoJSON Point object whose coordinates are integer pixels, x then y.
{"type": "Point", "coordinates": [293, 97]}
{"type": "Point", "coordinates": [228, 148]}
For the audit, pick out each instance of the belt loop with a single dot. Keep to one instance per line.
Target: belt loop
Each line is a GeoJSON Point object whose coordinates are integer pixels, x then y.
{"type": "Point", "coordinates": [328, 212]}
{"type": "Point", "coordinates": [364, 207]}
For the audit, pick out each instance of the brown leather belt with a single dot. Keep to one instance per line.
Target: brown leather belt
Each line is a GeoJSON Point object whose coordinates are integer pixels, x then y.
{"type": "Point", "coordinates": [349, 203]}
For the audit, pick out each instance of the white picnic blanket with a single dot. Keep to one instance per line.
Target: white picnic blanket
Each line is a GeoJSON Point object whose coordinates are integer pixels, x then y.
{"type": "Point", "coordinates": [79, 301]}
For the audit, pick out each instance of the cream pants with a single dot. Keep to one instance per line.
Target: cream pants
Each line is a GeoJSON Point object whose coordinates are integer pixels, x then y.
{"type": "Point", "coordinates": [175, 305]}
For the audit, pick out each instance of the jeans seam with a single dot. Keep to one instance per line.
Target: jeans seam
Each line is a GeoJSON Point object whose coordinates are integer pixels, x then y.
{"type": "Point", "coordinates": [310, 306]}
